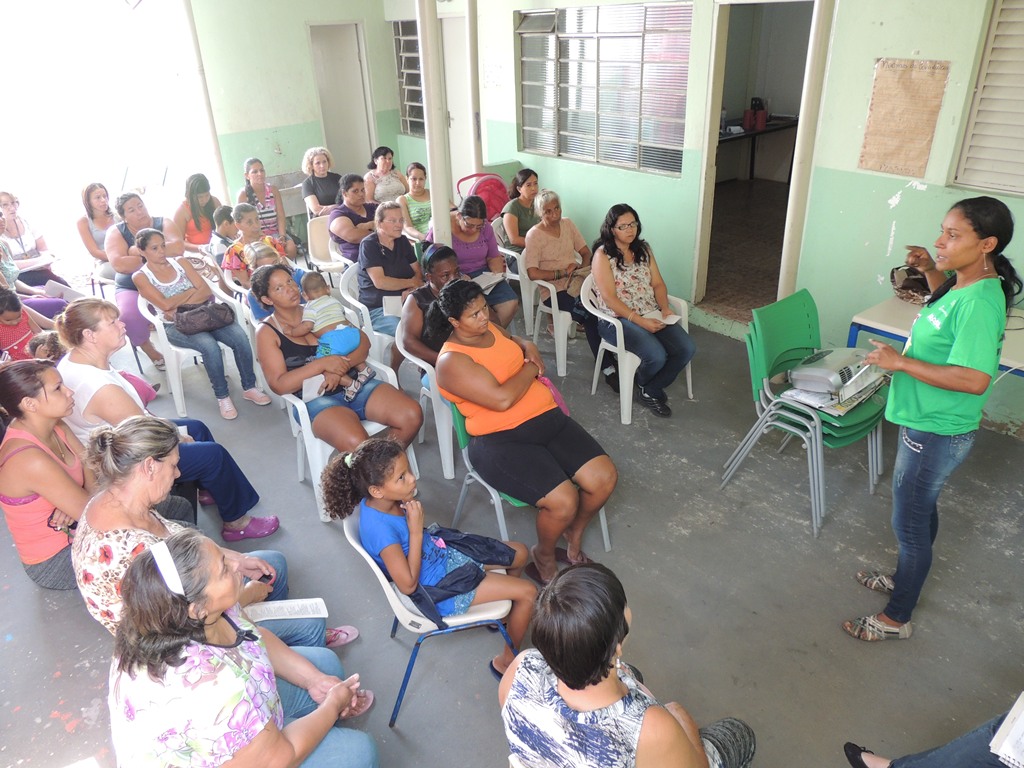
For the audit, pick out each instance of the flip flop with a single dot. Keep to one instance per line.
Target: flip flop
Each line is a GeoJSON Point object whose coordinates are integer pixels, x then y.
{"type": "Point", "coordinates": [562, 556]}
{"type": "Point", "coordinates": [362, 704]}
{"type": "Point", "coordinates": [533, 572]}
{"type": "Point", "coordinates": [494, 671]}
{"type": "Point", "coordinates": [338, 636]}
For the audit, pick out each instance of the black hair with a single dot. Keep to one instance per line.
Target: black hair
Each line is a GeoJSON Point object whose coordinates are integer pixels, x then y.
{"type": "Point", "coordinates": [259, 284]}
{"type": "Point", "coordinates": [195, 185]}
{"type": "Point", "coordinates": [18, 380]}
{"type": "Point", "coordinates": [143, 236]}
{"type": "Point", "coordinates": [250, 193]}
{"type": "Point", "coordinates": [221, 215]}
{"type": "Point", "coordinates": [379, 152]}
{"type": "Point", "coordinates": [348, 476]}
{"type": "Point", "coordinates": [122, 201]}
{"type": "Point", "coordinates": [9, 301]}
{"type": "Point", "coordinates": [578, 622]}
{"type": "Point", "coordinates": [473, 207]}
{"type": "Point", "coordinates": [155, 623]}
{"type": "Point", "coordinates": [518, 180]}
{"type": "Point", "coordinates": [989, 217]}
{"type": "Point", "coordinates": [435, 254]}
{"type": "Point", "coordinates": [641, 250]}
{"type": "Point", "coordinates": [450, 304]}
{"type": "Point", "coordinates": [347, 182]}
{"type": "Point", "coordinates": [417, 166]}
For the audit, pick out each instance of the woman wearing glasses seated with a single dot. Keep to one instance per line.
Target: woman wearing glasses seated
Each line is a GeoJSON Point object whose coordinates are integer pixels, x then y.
{"type": "Point", "coordinates": [387, 267]}
{"type": "Point", "coordinates": [474, 242]}
{"type": "Point", "coordinates": [630, 287]}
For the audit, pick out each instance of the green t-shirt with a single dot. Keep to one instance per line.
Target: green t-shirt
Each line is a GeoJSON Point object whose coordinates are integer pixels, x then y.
{"type": "Point", "coordinates": [525, 217]}
{"type": "Point", "coordinates": [964, 328]}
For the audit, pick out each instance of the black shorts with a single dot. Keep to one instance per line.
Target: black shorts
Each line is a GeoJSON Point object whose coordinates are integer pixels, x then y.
{"type": "Point", "coordinates": [529, 461]}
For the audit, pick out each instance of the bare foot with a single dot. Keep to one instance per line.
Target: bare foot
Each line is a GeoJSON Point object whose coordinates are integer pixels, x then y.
{"type": "Point", "coordinates": [546, 566]}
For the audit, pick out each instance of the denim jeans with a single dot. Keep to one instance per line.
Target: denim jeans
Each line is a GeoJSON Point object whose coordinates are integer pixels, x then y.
{"type": "Point", "coordinates": [967, 751]}
{"type": "Point", "coordinates": [206, 344]}
{"type": "Point", "coordinates": [381, 323]}
{"type": "Point", "coordinates": [924, 461]}
{"type": "Point", "coordinates": [341, 747]}
{"type": "Point", "coordinates": [663, 355]}
{"type": "Point", "coordinates": [297, 632]}
{"type": "Point", "coordinates": [211, 466]}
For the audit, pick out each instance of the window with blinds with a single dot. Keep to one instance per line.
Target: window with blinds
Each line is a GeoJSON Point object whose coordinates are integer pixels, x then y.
{"type": "Point", "coordinates": [410, 82]}
{"type": "Point", "coordinates": [993, 153]}
{"type": "Point", "coordinates": [606, 84]}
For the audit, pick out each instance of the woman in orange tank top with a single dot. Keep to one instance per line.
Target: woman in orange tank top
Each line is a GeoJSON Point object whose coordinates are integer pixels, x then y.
{"type": "Point", "coordinates": [522, 443]}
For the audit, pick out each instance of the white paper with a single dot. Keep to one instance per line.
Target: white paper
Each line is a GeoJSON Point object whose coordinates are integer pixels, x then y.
{"type": "Point", "coordinates": [655, 314]}
{"type": "Point", "coordinates": [487, 280]}
{"type": "Point", "coordinates": [59, 290]}
{"type": "Point", "coordinates": [306, 608]}
{"type": "Point", "coordinates": [1008, 743]}
{"type": "Point", "coordinates": [311, 388]}
{"type": "Point", "coordinates": [393, 305]}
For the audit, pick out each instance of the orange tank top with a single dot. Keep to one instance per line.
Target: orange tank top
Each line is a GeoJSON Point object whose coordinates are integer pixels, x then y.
{"type": "Point", "coordinates": [503, 359]}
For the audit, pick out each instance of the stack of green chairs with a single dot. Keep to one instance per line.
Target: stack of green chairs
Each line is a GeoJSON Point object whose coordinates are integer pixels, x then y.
{"type": "Point", "coordinates": [462, 437]}
{"type": "Point", "coordinates": [779, 337]}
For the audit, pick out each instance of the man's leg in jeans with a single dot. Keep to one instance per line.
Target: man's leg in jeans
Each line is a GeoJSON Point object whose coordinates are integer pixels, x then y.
{"type": "Point", "coordinates": [968, 751]}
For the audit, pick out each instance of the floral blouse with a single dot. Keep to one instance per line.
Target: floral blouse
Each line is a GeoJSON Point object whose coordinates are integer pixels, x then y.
{"type": "Point", "coordinates": [201, 712]}
{"type": "Point", "coordinates": [632, 286]}
{"type": "Point", "coordinates": [100, 559]}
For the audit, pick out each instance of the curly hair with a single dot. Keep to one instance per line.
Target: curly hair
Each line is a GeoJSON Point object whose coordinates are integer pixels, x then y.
{"type": "Point", "coordinates": [450, 304]}
{"type": "Point", "coordinates": [348, 476]}
{"type": "Point", "coordinates": [260, 282]}
{"type": "Point", "coordinates": [311, 154]}
{"type": "Point", "coordinates": [155, 623]}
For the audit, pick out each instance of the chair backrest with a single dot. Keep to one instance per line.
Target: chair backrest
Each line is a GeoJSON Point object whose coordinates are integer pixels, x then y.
{"type": "Point", "coordinates": [587, 297]}
{"type": "Point", "coordinates": [459, 422]}
{"type": "Point", "coordinates": [500, 235]}
{"type": "Point", "coordinates": [349, 288]}
{"type": "Point", "coordinates": [412, 358]}
{"type": "Point", "coordinates": [318, 239]}
{"type": "Point", "coordinates": [410, 618]}
{"type": "Point", "coordinates": [785, 332]}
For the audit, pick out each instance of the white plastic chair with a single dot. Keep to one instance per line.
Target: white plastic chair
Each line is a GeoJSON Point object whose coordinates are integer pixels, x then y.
{"type": "Point", "coordinates": [321, 257]}
{"type": "Point", "coordinates": [627, 361]}
{"type": "Point", "coordinates": [379, 342]}
{"type": "Point", "coordinates": [527, 289]}
{"type": "Point", "coordinates": [175, 357]}
{"type": "Point", "coordinates": [442, 414]}
{"type": "Point", "coordinates": [406, 613]}
{"type": "Point", "coordinates": [309, 448]}
{"type": "Point", "coordinates": [565, 326]}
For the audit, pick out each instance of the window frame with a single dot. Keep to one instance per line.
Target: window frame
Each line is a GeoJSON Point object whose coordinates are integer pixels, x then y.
{"type": "Point", "coordinates": [550, 125]}
{"type": "Point", "coordinates": [412, 117]}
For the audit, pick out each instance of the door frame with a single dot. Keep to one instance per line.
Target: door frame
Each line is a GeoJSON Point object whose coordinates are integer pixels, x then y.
{"type": "Point", "coordinates": [822, 19]}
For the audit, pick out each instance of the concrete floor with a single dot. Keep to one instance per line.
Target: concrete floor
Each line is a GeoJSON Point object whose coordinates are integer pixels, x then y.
{"type": "Point", "coordinates": [736, 607]}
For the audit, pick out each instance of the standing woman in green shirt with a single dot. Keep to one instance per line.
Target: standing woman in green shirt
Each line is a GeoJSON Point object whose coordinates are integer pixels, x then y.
{"type": "Point", "coordinates": [939, 386]}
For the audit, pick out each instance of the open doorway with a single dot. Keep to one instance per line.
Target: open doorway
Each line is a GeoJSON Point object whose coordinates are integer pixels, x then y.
{"type": "Point", "coordinates": [342, 86]}
{"type": "Point", "coordinates": [766, 53]}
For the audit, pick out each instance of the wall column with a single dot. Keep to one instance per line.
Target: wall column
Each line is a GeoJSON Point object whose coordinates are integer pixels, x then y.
{"type": "Point", "coordinates": [435, 113]}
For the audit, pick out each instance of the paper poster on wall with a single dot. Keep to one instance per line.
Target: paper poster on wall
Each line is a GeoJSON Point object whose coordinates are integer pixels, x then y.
{"type": "Point", "coordinates": [905, 101]}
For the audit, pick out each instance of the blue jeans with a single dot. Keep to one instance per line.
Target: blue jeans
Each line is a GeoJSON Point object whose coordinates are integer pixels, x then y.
{"type": "Point", "coordinates": [663, 355]}
{"type": "Point", "coordinates": [923, 463]}
{"type": "Point", "coordinates": [967, 751]}
{"type": "Point", "coordinates": [298, 632]}
{"type": "Point", "coordinates": [341, 747]}
{"type": "Point", "coordinates": [211, 466]}
{"type": "Point", "coordinates": [206, 344]}
{"type": "Point", "coordinates": [382, 323]}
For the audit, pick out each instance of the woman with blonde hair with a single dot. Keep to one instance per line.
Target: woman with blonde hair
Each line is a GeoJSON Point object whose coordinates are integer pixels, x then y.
{"type": "Point", "coordinates": [320, 187]}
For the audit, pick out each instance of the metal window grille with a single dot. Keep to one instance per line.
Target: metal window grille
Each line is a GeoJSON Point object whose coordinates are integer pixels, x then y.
{"type": "Point", "coordinates": [410, 81]}
{"type": "Point", "coordinates": [606, 84]}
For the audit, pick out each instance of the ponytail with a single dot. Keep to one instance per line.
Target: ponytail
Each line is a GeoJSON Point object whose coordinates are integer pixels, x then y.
{"type": "Point", "coordinates": [450, 304]}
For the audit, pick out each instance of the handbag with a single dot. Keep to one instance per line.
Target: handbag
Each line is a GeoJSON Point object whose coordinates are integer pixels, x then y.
{"type": "Point", "coordinates": [197, 318]}
{"type": "Point", "coordinates": [909, 284]}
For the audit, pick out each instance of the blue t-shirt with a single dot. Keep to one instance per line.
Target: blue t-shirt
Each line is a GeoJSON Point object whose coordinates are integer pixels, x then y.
{"type": "Point", "coordinates": [378, 531]}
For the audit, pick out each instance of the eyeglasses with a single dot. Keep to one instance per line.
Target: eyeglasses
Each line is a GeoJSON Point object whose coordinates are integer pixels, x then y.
{"type": "Point", "coordinates": [399, 222]}
{"type": "Point", "coordinates": [467, 225]}
{"type": "Point", "coordinates": [13, 204]}
{"type": "Point", "coordinates": [627, 227]}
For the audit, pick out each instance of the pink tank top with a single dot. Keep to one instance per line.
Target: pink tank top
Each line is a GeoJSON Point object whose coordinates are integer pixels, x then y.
{"type": "Point", "coordinates": [27, 516]}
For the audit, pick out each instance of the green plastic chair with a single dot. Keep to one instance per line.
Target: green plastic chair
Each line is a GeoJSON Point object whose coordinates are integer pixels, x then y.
{"type": "Point", "coordinates": [472, 476]}
{"type": "Point", "coordinates": [779, 337]}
